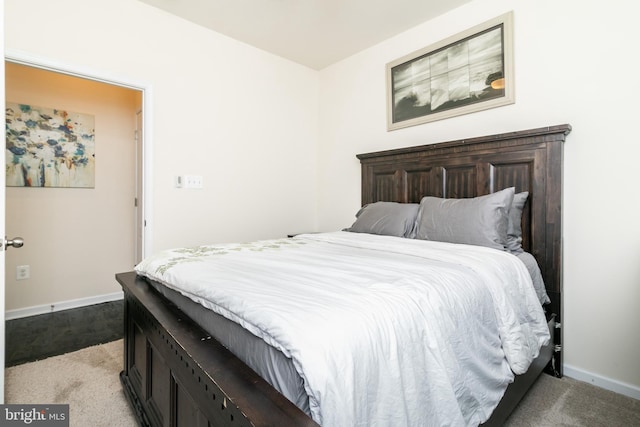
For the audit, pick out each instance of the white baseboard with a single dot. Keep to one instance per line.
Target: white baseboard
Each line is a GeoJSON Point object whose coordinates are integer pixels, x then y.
{"type": "Point", "coordinates": [62, 305]}
{"type": "Point", "coordinates": [616, 386]}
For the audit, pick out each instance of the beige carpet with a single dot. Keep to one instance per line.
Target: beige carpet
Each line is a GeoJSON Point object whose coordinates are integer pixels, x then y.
{"type": "Point", "coordinates": [88, 381]}
{"type": "Point", "coordinates": [554, 402]}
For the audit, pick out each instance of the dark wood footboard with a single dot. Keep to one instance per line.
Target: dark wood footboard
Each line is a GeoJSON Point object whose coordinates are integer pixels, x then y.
{"type": "Point", "coordinates": [175, 374]}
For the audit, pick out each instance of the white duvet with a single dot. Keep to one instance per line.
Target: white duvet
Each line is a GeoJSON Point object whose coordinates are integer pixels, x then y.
{"type": "Point", "coordinates": [384, 331]}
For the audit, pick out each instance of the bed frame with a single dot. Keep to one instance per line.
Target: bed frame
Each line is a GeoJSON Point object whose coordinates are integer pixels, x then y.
{"type": "Point", "coordinates": [175, 374]}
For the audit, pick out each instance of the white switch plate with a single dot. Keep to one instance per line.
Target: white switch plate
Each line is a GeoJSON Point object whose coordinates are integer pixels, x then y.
{"type": "Point", "coordinates": [192, 181]}
{"type": "Point", "coordinates": [23, 272]}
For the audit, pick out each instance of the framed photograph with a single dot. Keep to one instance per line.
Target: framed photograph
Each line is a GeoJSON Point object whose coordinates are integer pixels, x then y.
{"type": "Point", "coordinates": [468, 72]}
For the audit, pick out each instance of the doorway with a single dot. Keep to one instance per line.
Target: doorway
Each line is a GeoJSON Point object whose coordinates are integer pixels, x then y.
{"type": "Point", "coordinates": [59, 278]}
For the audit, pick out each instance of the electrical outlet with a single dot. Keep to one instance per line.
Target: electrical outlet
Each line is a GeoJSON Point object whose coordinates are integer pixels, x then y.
{"type": "Point", "coordinates": [23, 272]}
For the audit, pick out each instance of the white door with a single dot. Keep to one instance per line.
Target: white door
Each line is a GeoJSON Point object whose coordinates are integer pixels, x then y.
{"type": "Point", "coordinates": [2, 180]}
{"type": "Point", "coordinates": [139, 208]}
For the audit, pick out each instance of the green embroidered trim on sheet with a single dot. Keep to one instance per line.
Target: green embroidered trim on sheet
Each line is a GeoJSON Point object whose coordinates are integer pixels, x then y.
{"type": "Point", "coordinates": [198, 253]}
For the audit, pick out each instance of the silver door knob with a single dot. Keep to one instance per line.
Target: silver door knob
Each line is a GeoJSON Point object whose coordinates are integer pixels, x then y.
{"type": "Point", "coordinates": [16, 242]}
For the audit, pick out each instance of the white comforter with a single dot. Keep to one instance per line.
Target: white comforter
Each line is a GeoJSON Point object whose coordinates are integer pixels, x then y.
{"type": "Point", "coordinates": [384, 331]}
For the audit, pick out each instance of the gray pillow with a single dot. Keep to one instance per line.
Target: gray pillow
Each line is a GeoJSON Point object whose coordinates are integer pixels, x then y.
{"type": "Point", "coordinates": [536, 276]}
{"type": "Point", "coordinates": [387, 218]}
{"type": "Point", "coordinates": [514, 229]}
{"type": "Point", "coordinates": [481, 221]}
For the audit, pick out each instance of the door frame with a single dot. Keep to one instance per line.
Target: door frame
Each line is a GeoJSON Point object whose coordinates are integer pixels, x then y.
{"type": "Point", "coordinates": [23, 58]}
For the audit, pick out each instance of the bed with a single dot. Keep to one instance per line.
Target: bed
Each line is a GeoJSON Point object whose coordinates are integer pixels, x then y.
{"type": "Point", "coordinates": [176, 372]}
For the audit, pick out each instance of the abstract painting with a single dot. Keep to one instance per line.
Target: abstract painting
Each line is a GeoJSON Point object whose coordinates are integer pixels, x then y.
{"type": "Point", "coordinates": [48, 147]}
{"type": "Point", "coordinates": [467, 72]}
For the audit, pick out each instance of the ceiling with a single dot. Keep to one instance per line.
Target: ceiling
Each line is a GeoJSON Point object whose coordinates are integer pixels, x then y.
{"type": "Point", "coordinates": [315, 33]}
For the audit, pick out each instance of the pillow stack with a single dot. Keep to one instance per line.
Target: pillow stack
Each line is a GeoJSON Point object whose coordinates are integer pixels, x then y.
{"type": "Point", "coordinates": [493, 220]}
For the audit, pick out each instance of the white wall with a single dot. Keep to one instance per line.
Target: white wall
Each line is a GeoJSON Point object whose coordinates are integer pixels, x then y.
{"type": "Point", "coordinates": [244, 119]}
{"type": "Point", "coordinates": [575, 63]}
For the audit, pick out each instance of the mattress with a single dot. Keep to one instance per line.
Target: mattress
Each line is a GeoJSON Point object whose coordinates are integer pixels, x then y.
{"type": "Point", "coordinates": [269, 363]}
{"type": "Point", "coordinates": [370, 276]}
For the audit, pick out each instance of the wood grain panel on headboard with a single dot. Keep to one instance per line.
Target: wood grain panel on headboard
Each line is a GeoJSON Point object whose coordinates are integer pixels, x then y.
{"type": "Point", "coordinates": [529, 160]}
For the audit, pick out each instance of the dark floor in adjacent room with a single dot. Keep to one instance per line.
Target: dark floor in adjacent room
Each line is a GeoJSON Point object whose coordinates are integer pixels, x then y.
{"type": "Point", "coordinates": [45, 335]}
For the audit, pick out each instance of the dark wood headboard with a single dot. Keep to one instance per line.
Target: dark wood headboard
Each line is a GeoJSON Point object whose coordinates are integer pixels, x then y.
{"type": "Point", "coordinates": [529, 160]}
